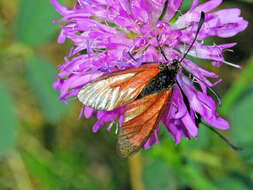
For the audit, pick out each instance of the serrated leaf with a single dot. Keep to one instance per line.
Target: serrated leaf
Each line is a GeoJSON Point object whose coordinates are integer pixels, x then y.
{"type": "Point", "coordinates": [34, 22]}
{"type": "Point", "coordinates": [40, 75]}
{"type": "Point", "coordinates": [8, 120]}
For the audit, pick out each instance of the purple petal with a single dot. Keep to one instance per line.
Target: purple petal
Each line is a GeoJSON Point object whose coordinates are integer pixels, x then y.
{"type": "Point", "coordinates": [76, 81]}
{"type": "Point", "coordinates": [106, 116]}
{"type": "Point", "coordinates": [153, 139]}
{"type": "Point", "coordinates": [190, 125]}
{"type": "Point", "coordinates": [140, 10]}
{"type": "Point", "coordinates": [208, 6]}
{"type": "Point", "coordinates": [199, 72]}
{"type": "Point", "coordinates": [204, 105]}
{"type": "Point", "coordinates": [208, 52]}
{"type": "Point", "coordinates": [177, 119]}
{"type": "Point", "coordinates": [59, 8]}
{"type": "Point", "coordinates": [88, 112]}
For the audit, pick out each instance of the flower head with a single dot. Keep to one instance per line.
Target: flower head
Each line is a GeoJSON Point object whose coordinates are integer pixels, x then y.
{"type": "Point", "coordinates": [105, 33]}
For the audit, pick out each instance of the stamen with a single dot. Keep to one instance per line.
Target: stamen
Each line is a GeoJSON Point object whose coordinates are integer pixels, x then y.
{"type": "Point", "coordinates": [71, 52]}
{"type": "Point", "coordinates": [233, 65]}
{"type": "Point", "coordinates": [216, 96]}
{"type": "Point", "coordinates": [65, 101]}
{"type": "Point", "coordinates": [116, 128]}
{"type": "Point", "coordinates": [110, 125]}
{"type": "Point", "coordinates": [217, 82]}
{"type": "Point", "coordinates": [228, 50]}
{"type": "Point", "coordinates": [81, 112]}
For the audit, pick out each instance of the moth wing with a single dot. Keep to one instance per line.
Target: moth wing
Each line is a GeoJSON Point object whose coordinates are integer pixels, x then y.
{"type": "Point", "coordinates": [140, 119]}
{"type": "Point", "coordinates": [117, 89]}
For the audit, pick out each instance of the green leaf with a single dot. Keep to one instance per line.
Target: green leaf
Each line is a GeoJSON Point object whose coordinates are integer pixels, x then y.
{"type": "Point", "coordinates": [34, 22]}
{"type": "Point", "coordinates": [53, 174]}
{"type": "Point", "coordinates": [248, 1]}
{"type": "Point", "coordinates": [8, 121]}
{"type": "Point", "coordinates": [187, 173]}
{"type": "Point", "coordinates": [185, 6]}
{"type": "Point", "coordinates": [41, 171]}
{"type": "Point", "coordinates": [40, 75]}
{"type": "Point", "coordinates": [238, 88]}
{"type": "Point", "coordinates": [241, 124]}
{"type": "Point", "coordinates": [231, 183]}
{"type": "Point", "coordinates": [157, 175]}
{"type": "Point", "coordinates": [200, 142]}
{"type": "Point", "coordinates": [240, 117]}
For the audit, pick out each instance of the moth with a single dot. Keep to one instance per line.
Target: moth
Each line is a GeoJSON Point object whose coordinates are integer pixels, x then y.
{"type": "Point", "coordinates": [145, 93]}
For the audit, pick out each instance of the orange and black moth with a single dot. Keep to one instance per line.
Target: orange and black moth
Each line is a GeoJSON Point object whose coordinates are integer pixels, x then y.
{"type": "Point", "coordinates": [145, 93]}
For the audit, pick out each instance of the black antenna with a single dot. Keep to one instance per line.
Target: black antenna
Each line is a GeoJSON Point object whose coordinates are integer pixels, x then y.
{"type": "Point", "coordinates": [162, 52]}
{"type": "Point", "coordinates": [201, 21]}
{"type": "Point", "coordinates": [222, 137]}
{"type": "Point", "coordinates": [214, 93]}
{"type": "Point", "coordinates": [131, 56]}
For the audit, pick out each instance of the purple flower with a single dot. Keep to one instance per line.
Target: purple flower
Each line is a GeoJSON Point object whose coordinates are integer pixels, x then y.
{"type": "Point", "coordinates": [106, 30]}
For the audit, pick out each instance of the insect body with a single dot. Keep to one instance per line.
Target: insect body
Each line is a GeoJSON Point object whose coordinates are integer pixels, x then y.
{"type": "Point", "coordinates": [144, 91]}
{"type": "Point", "coordinates": [163, 80]}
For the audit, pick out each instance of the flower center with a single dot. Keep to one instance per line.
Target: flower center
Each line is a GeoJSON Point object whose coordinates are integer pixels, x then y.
{"type": "Point", "coordinates": [149, 36]}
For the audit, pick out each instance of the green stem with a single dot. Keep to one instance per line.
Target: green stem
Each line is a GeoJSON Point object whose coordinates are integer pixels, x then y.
{"type": "Point", "coordinates": [165, 7]}
{"type": "Point", "coordinates": [135, 167]}
{"type": "Point", "coordinates": [237, 88]}
{"type": "Point", "coordinates": [19, 172]}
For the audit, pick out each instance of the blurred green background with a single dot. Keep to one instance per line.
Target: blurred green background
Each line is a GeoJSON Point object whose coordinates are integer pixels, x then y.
{"type": "Point", "coordinates": [43, 145]}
